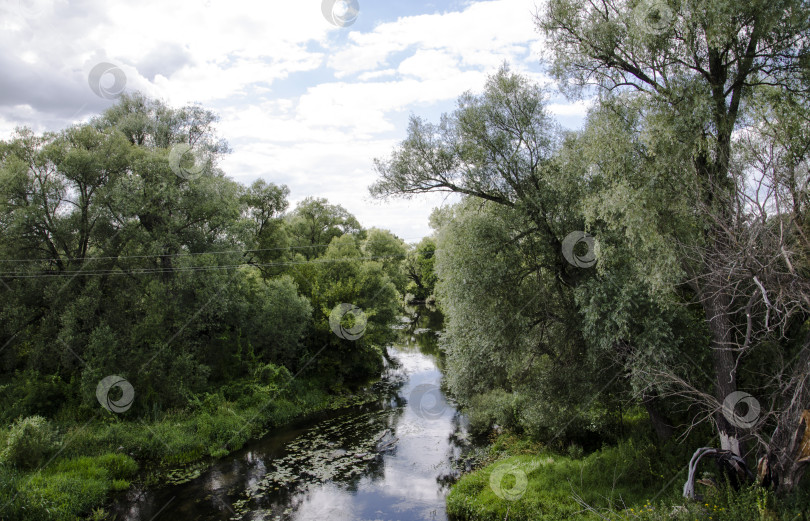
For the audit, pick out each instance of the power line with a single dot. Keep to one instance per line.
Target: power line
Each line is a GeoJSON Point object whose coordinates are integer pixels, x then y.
{"type": "Point", "coordinates": [172, 255]}
{"type": "Point", "coordinates": [183, 254]}
{"type": "Point", "coordinates": [146, 271]}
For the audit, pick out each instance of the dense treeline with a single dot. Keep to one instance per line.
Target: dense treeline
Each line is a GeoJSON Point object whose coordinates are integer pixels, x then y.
{"type": "Point", "coordinates": [655, 259]}
{"type": "Point", "coordinates": [138, 278]}
{"type": "Point", "coordinates": [127, 251]}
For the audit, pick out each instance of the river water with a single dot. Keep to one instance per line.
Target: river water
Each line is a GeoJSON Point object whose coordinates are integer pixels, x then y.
{"type": "Point", "coordinates": [385, 461]}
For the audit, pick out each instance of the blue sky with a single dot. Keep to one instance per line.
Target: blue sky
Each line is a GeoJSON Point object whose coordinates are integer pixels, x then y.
{"type": "Point", "coordinates": [302, 101]}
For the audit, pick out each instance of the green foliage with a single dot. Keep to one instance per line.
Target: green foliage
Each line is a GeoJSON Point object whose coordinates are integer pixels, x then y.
{"type": "Point", "coordinates": [277, 378]}
{"type": "Point", "coordinates": [265, 229]}
{"type": "Point", "coordinates": [281, 321]}
{"type": "Point", "coordinates": [29, 442]}
{"type": "Point", "coordinates": [200, 292]}
{"type": "Point", "coordinates": [119, 466]}
{"type": "Point", "coordinates": [344, 277]}
{"type": "Point", "coordinates": [314, 223]}
{"type": "Point", "coordinates": [64, 495]}
{"type": "Point", "coordinates": [66, 489]}
{"type": "Point", "coordinates": [494, 407]}
{"type": "Point", "coordinates": [720, 504]}
{"type": "Point", "coordinates": [182, 282]}
{"type": "Point", "coordinates": [513, 329]}
{"type": "Point", "coordinates": [638, 479]}
{"type": "Point", "coordinates": [31, 392]}
{"type": "Point", "coordinates": [216, 423]}
{"type": "Point", "coordinates": [388, 250]}
{"type": "Point", "coordinates": [676, 142]}
{"type": "Point", "coordinates": [97, 460]}
{"type": "Point", "coordinates": [419, 267]}
{"type": "Point", "coordinates": [609, 478]}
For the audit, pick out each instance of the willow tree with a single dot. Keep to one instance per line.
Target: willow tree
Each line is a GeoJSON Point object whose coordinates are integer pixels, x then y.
{"type": "Point", "coordinates": [315, 222]}
{"type": "Point", "coordinates": [694, 66]}
{"type": "Point", "coordinates": [512, 324]}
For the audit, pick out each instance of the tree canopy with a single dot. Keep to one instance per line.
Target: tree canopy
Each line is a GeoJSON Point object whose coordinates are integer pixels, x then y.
{"type": "Point", "coordinates": [657, 254]}
{"type": "Point", "coordinates": [126, 250]}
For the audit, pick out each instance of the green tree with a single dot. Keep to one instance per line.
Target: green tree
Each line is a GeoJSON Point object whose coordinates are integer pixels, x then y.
{"type": "Point", "coordinates": [127, 251]}
{"type": "Point", "coordinates": [341, 276]}
{"type": "Point", "coordinates": [512, 328]}
{"type": "Point", "coordinates": [390, 251]}
{"type": "Point", "coordinates": [266, 232]}
{"type": "Point", "coordinates": [504, 284]}
{"type": "Point", "coordinates": [122, 266]}
{"type": "Point", "coordinates": [314, 223]}
{"type": "Point", "coordinates": [419, 267]}
{"type": "Point", "coordinates": [281, 322]}
{"type": "Point", "coordinates": [693, 69]}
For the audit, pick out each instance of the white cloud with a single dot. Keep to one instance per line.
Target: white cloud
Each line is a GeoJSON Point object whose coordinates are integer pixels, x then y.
{"type": "Point", "coordinates": [302, 102]}
{"type": "Point", "coordinates": [429, 64]}
{"type": "Point", "coordinates": [483, 36]}
{"type": "Point", "coordinates": [577, 108]}
{"type": "Point", "coordinates": [373, 75]}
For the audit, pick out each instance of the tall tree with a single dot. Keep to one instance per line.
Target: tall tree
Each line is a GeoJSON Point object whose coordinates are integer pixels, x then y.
{"type": "Point", "coordinates": [504, 282]}
{"type": "Point", "coordinates": [419, 267]}
{"type": "Point", "coordinates": [267, 234]}
{"type": "Point", "coordinates": [390, 251]}
{"type": "Point", "coordinates": [315, 222]}
{"type": "Point", "coordinates": [696, 65]}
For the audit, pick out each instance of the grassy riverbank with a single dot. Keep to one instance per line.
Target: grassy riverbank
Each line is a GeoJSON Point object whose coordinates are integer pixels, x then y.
{"type": "Point", "coordinates": [634, 480]}
{"type": "Point", "coordinates": [90, 460]}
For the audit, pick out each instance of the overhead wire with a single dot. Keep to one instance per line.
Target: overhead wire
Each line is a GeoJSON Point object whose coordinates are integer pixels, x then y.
{"type": "Point", "coordinates": [142, 271]}
{"type": "Point", "coordinates": [173, 255]}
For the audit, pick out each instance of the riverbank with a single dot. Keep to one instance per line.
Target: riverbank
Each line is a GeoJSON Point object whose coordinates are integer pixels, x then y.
{"type": "Point", "coordinates": [518, 480]}
{"type": "Point", "coordinates": [105, 455]}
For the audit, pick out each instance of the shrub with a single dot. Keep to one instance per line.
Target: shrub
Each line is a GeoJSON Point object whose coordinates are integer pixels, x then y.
{"type": "Point", "coordinates": [493, 407]}
{"type": "Point", "coordinates": [271, 374]}
{"type": "Point", "coordinates": [31, 393]}
{"type": "Point", "coordinates": [30, 441]}
{"type": "Point", "coordinates": [575, 451]}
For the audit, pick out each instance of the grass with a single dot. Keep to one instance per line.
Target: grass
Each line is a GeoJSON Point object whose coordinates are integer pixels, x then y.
{"type": "Point", "coordinates": [65, 489]}
{"type": "Point", "coordinates": [610, 478]}
{"type": "Point", "coordinates": [102, 456]}
{"type": "Point", "coordinates": [630, 481]}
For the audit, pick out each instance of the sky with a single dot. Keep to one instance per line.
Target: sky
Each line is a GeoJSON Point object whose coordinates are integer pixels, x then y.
{"type": "Point", "coordinates": [308, 92]}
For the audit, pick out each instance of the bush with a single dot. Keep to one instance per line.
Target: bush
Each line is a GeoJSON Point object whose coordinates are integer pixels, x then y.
{"type": "Point", "coordinates": [32, 393]}
{"type": "Point", "coordinates": [575, 451]}
{"type": "Point", "coordinates": [30, 441]}
{"type": "Point", "coordinates": [274, 376]}
{"type": "Point", "coordinates": [493, 407]}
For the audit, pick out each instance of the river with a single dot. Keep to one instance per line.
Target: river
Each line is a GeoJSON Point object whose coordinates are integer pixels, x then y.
{"type": "Point", "coordinates": [385, 461]}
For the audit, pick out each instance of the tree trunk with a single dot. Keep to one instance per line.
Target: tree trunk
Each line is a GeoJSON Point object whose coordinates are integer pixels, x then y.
{"type": "Point", "coordinates": [716, 307]}
{"type": "Point", "coordinates": [661, 424]}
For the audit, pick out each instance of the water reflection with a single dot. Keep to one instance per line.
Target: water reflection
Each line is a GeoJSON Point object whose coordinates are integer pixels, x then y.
{"type": "Point", "coordinates": [386, 461]}
{"type": "Point", "coordinates": [420, 328]}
